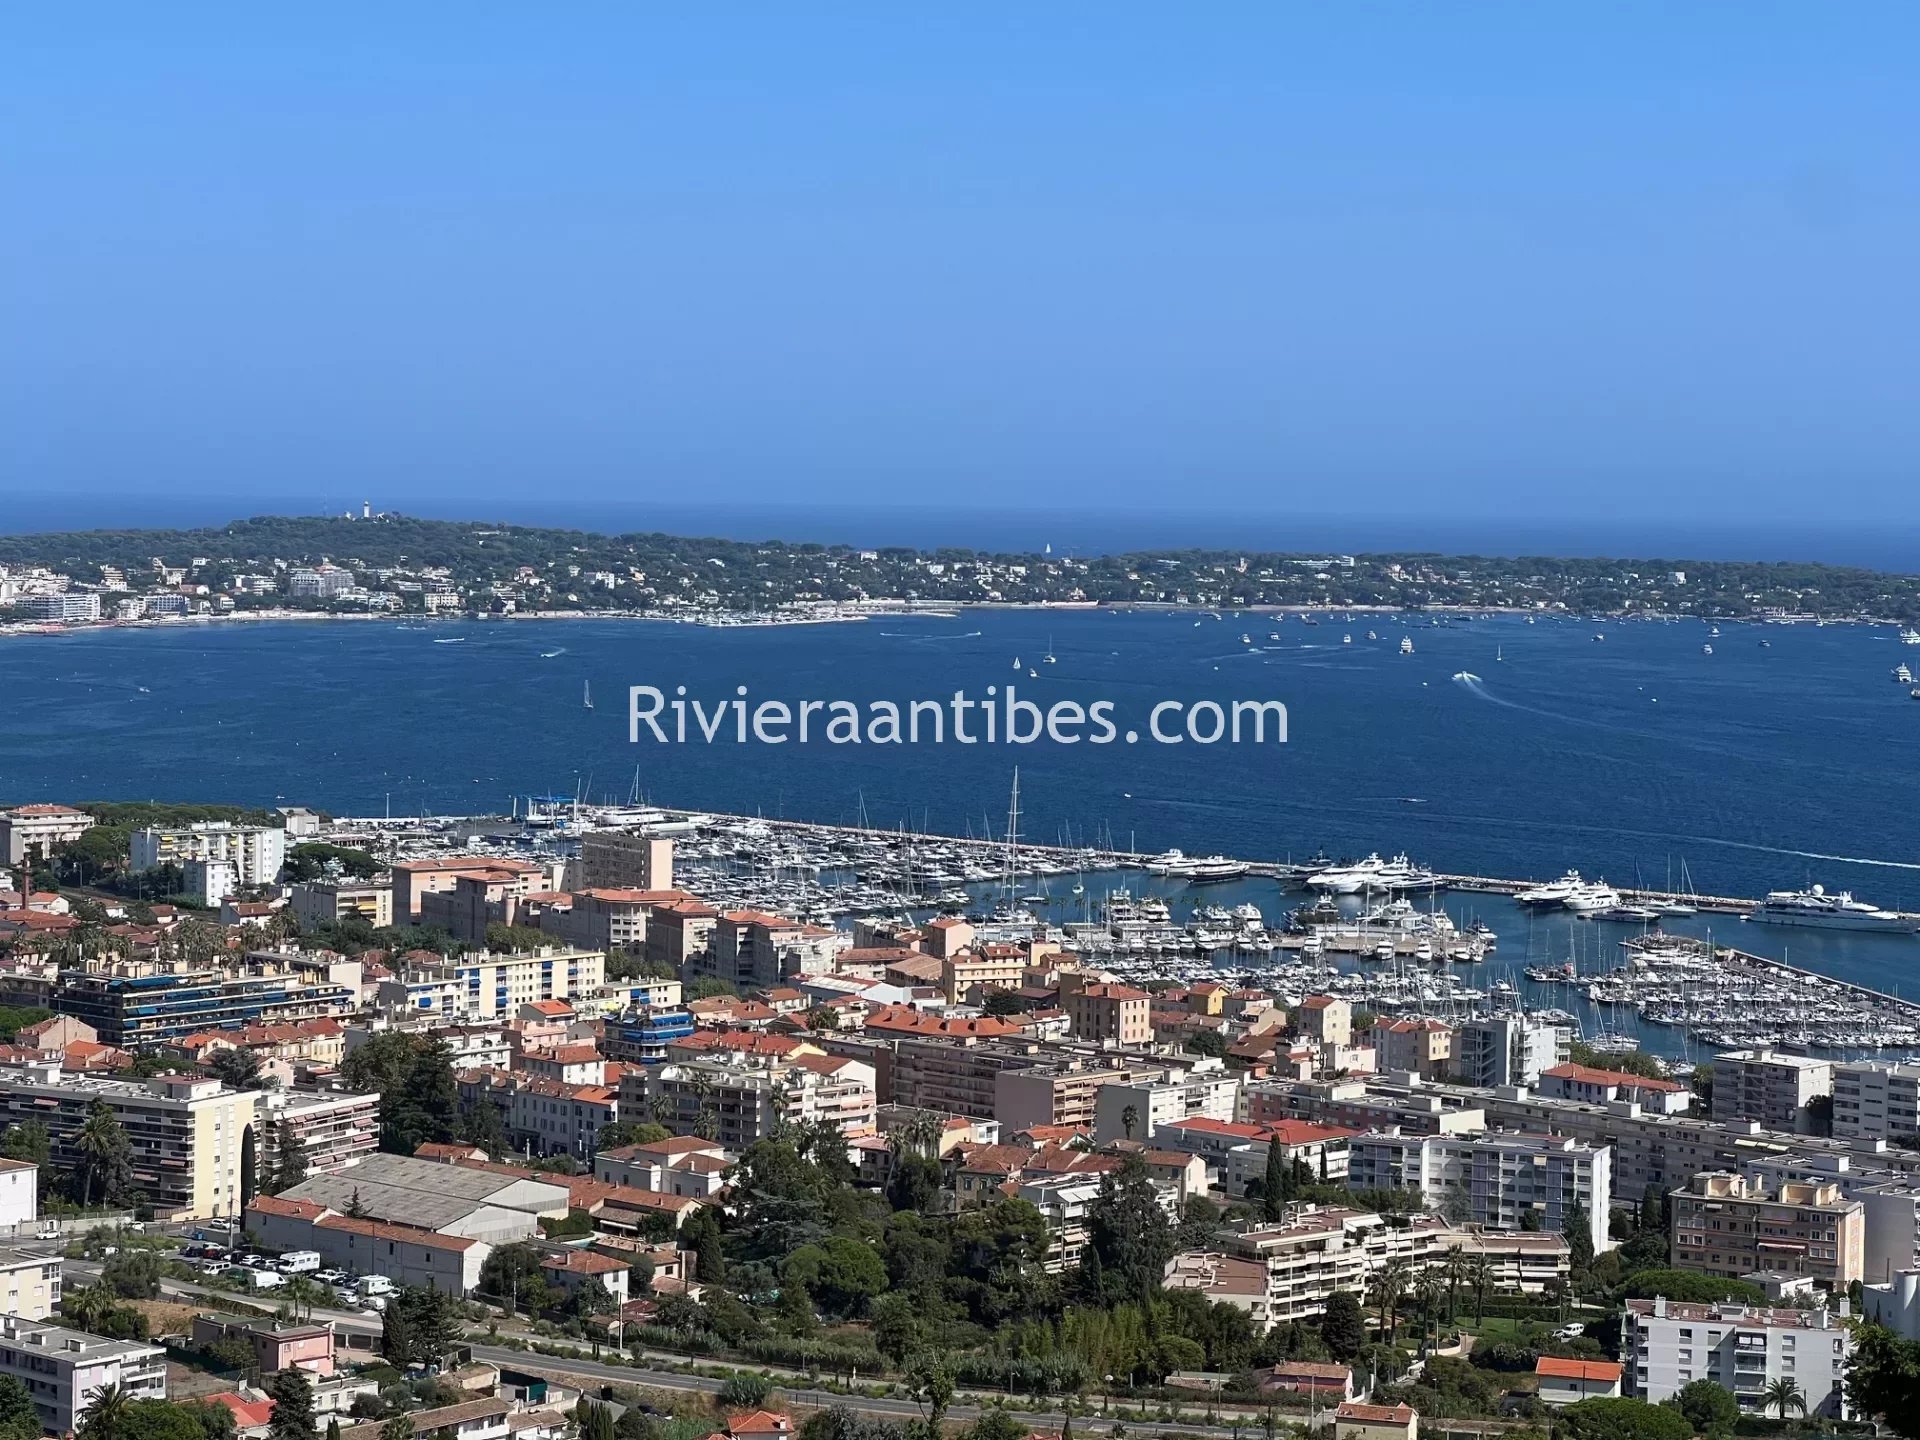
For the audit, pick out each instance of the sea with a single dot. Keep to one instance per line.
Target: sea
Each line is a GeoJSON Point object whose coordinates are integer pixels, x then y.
{"type": "Point", "coordinates": [1499, 746]}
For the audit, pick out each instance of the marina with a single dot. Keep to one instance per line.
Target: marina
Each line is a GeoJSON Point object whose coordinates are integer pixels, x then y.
{"type": "Point", "coordinates": [1643, 971]}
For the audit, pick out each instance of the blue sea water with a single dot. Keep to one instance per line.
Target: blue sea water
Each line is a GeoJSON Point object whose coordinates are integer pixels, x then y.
{"type": "Point", "coordinates": [1758, 766]}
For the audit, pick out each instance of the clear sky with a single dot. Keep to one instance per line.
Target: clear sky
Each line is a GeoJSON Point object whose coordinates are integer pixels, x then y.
{"type": "Point", "coordinates": [1563, 259]}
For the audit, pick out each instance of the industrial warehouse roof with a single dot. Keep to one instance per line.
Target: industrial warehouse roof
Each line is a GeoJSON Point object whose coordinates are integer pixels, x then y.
{"type": "Point", "coordinates": [426, 1193]}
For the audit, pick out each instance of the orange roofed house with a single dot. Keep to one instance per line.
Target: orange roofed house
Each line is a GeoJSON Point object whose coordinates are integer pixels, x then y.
{"type": "Point", "coordinates": [1357, 1421]}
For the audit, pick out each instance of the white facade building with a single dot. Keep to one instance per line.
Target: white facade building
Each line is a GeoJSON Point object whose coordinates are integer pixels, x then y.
{"type": "Point", "coordinates": [64, 1369]}
{"type": "Point", "coordinates": [1211, 1094]}
{"type": "Point", "coordinates": [256, 852]}
{"type": "Point", "coordinates": [1493, 1178]}
{"type": "Point", "coordinates": [1874, 1100]}
{"type": "Point", "coordinates": [1668, 1345]}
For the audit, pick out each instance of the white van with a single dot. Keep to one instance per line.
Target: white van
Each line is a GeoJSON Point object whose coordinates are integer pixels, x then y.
{"type": "Point", "coordinates": [373, 1285]}
{"type": "Point", "coordinates": [256, 1279]}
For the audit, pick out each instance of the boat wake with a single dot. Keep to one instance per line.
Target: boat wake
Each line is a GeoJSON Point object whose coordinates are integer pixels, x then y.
{"type": "Point", "coordinates": [928, 639]}
{"type": "Point", "coordinates": [549, 654]}
{"type": "Point", "coordinates": [1466, 677]}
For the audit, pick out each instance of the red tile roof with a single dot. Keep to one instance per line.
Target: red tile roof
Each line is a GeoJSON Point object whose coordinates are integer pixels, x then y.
{"type": "Point", "coordinates": [1591, 1075]}
{"type": "Point", "coordinates": [1604, 1371]}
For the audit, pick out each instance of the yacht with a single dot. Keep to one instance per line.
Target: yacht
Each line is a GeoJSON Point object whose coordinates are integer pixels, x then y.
{"type": "Point", "coordinates": [1346, 639]}
{"type": "Point", "coordinates": [1465, 676]}
{"type": "Point", "coordinates": [1372, 873]}
{"type": "Point", "coordinates": [1216, 868]}
{"type": "Point", "coordinates": [1552, 894]}
{"type": "Point", "coordinates": [1902, 675]}
{"type": "Point", "coordinates": [1706, 649]}
{"type": "Point", "coordinates": [1171, 862]}
{"type": "Point", "coordinates": [1910, 636]}
{"type": "Point", "coordinates": [1628, 914]}
{"type": "Point", "coordinates": [1406, 644]}
{"type": "Point", "coordinates": [1591, 899]}
{"type": "Point", "coordinates": [1838, 911]}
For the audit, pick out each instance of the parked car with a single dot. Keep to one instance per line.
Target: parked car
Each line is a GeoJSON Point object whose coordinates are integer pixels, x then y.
{"type": "Point", "coordinates": [331, 1277]}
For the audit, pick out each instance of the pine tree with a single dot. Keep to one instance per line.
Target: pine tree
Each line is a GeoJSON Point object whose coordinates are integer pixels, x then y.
{"type": "Point", "coordinates": [290, 1164]}
{"type": "Point", "coordinates": [396, 1334]}
{"type": "Point", "coordinates": [292, 1396]}
{"type": "Point", "coordinates": [1274, 1192]}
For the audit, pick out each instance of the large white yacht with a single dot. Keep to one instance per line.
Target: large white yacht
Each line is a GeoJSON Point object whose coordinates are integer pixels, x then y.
{"type": "Point", "coordinates": [1372, 873]}
{"type": "Point", "coordinates": [1838, 911]}
{"type": "Point", "coordinates": [1586, 899]}
{"type": "Point", "coordinates": [1214, 868]}
{"type": "Point", "coordinates": [1553, 893]}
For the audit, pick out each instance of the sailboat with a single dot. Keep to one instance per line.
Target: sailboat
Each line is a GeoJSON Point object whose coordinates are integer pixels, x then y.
{"type": "Point", "coordinates": [1499, 652]}
{"type": "Point", "coordinates": [1016, 662]}
{"type": "Point", "coordinates": [1050, 660]}
{"type": "Point", "coordinates": [586, 694]}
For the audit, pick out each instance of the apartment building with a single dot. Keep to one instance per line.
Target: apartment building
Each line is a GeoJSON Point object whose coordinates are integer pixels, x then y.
{"type": "Point", "coordinates": [751, 948]}
{"type": "Point", "coordinates": [555, 1117]}
{"type": "Point", "coordinates": [319, 582]}
{"type": "Point", "coordinates": [1419, 1047]}
{"type": "Point", "coordinates": [1594, 1086]}
{"type": "Point", "coordinates": [134, 1012]}
{"type": "Point", "coordinates": [1874, 1100]}
{"type": "Point", "coordinates": [1327, 1020]}
{"type": "Point", "coordinates": [1668, 1345]}
{"type": "Point", "coordinates": [19, 1193]}
{"type": "Point", "coordinates": [1103, 1014]}
{"type": "Point", "coordinates": [606, 918]}
{"type": "Point", "coordinates": [325, 902]}
{"type": "Point", "coordinates": [1135, 1109]}
{"type": "Point", "coordinates": [415, 880]}
{"type": "Point", "coordinates": [332, 1128]}
{"type": "Point", "coordinates": [256, 852]}
{"type": "Point", "coordinates": [1318, 1251]}
{"type": "Point", "coordinates": [482, 987]}
{"type": "Point", "coordinates": [1491, 1050]}
{"type": "Point", "coordinates": [968, 975]}
{"type": "Point", "coordinates": [1353, 1104]}
{"type": "Point", "coordinates": [737, 1098]}
{"type": "Point", "coordinates": [67, 607]}
{"type": "Point", "coordinates": [680, 1165]}
{"type": "Point", "coordinates": [642, 1035]}
{"type": "Point", "coordinates": [1727, 1224]}
{"type": "Point", "coordinates": [187, 1131]}
{"type": "Point", "coordinates": [1494, 1178]}
{"type": "Point", "coordinates": [619, 860]}
{"type": "Point", "coordinates": [29, 1282]}
{"type": "Point", "coordinates": [64, 1369]}
{"type": "Point", "coordinates": [1779, 1091]}
{"type": "Point", "coordinates": [677, 933]}
{"type": "Point", "coordinates": [33, 832]}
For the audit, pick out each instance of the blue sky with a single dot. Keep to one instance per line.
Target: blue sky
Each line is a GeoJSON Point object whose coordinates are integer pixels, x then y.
{"type": "Point", "coordinates": [1577, 259]}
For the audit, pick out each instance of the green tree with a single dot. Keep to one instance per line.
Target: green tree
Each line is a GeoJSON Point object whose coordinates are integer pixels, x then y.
{"type": "Point", "coordinates": [1783, 1394]}
{"type": "Point", "coordinates": [1129, 1230]}
{"type": "Point", "coordinates": [744, 1390]}
{"type": "Point", "coordinates": [19, 1420]}
{"type": "Point", "coordinates": [398, 1427]}
{"type": "Point", "coordinates": [396, 1334]}
{"type": "Point", "coordinates": [1577, 1226]}
{"type": "Point", "coordinates": [1623, 1419]}
{"type": "Point", "coordinates": [292, 1396]}
{"type": "Point", "coordinates": [1344, 1326]}
{"type": "Point", "coordinates": [290, 1160]}
{"type": "Point", "coordinates": [28, 1141]}
{"type": "Point", "coordinates": [841, 1274]}
{"type": "Point", "coordinates": [701, 1235]}
{"type": "Point", "coordinates": [105, 1415]}
{"type": "Point", "coordinates": [106, 1157]}
{"type": "Point", "coordinates": [1883, 1378]}
{"type": "Point", "coordinates": [1275, 1187]}
{"type": "Point", "coordinates": [132, 1274]}
{"type": "Point", "coordinates": [1710, 1408]}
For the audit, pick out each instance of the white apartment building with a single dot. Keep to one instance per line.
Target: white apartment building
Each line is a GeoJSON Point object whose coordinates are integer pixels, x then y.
{"type": "Point", "coordinates": [29, 1283]}
{"type": "Point", "coordinates": [1494, 1050]}
{"type": "Point", "coordinates": [64, 1369]}
{"type": "Point", "coordinates": [256, 852]}
{"type": "Point", "coordinates": [1776, 1089]}
{"type": "Point", "coordinates": [737, 1098]}
{"type": "Point", "coordinates": [19, 1193]}
{"type": "Point", "coordinates": [333, 1130]}
{"type": "Point", "coordinates": [68, 606]}
{"type": "Point", "coordinates": [1668, 1344]}
{"type": "Point", "coordinates": [1211, 1093]}
{"type": "Point", "coordinates": [320, 582]}
{"type": "Point", "coordinates": [1874, 1100]}
{"type": "Point", "coordinates": [492, 987]}
{"type": "Point", "coordinates": [321, 902]}
{"type": "Point", "coordinates": [1492, 1178]}
{"type": "Point", "coordinates": [1318, 1251]}
{"type": "Point", "coordinates": [38, 830]}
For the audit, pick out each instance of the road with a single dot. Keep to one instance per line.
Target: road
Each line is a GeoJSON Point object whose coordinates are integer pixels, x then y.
{"type": "Point", "coordinates": [823, 1399]}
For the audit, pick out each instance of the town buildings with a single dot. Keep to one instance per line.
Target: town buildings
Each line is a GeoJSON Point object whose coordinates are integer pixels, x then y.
{"type": "Point", "coordinates": [64, 1369]}
{"type": "Point", "coordinates": [256, 852]}
{"type": "Point", "coordinates": [1495, 1178]}
{"type": "Point", "coordinates": [1780, 1091]}
{"type": "Point", "coordinates": [1875, 1100]}
{"type": "Point", "coordinates": [1668, 1344]}
{"type": "Point", "coordinates": [30, 1282]}
{"type": "Point", "coordinates": [188, 1132]}
{"type": "Point", "coordinates": [619, 860]}
{"type": "Point", "coordinates": [1727, 1224]}
{"type": "Point", "coordinates": [36, 831]}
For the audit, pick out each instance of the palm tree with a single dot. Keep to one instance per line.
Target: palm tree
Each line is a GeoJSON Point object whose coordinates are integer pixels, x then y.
{"type": "Point", "coordinates": [1389, 1286]}
{"type": "Point", "coordinates": [664, 1109]}
{"type": "Point", "coordinates": [1783, 1394]}
{"type": "Point", "coordinates": [1480, 1277]}
{"type": "Point", "coordinates": [1129, 1118]}
{"type": "Point", "coordinates": [105, 1417]}
{"type": "Point", "coordinates": [102, 1143]}
{"type": "Point", "coordinates": [1429, 1287]}
{"type": "Point", "coordinates": [303, 1294]}
{"type": "Point", "coordinates": [1456, 1265]}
